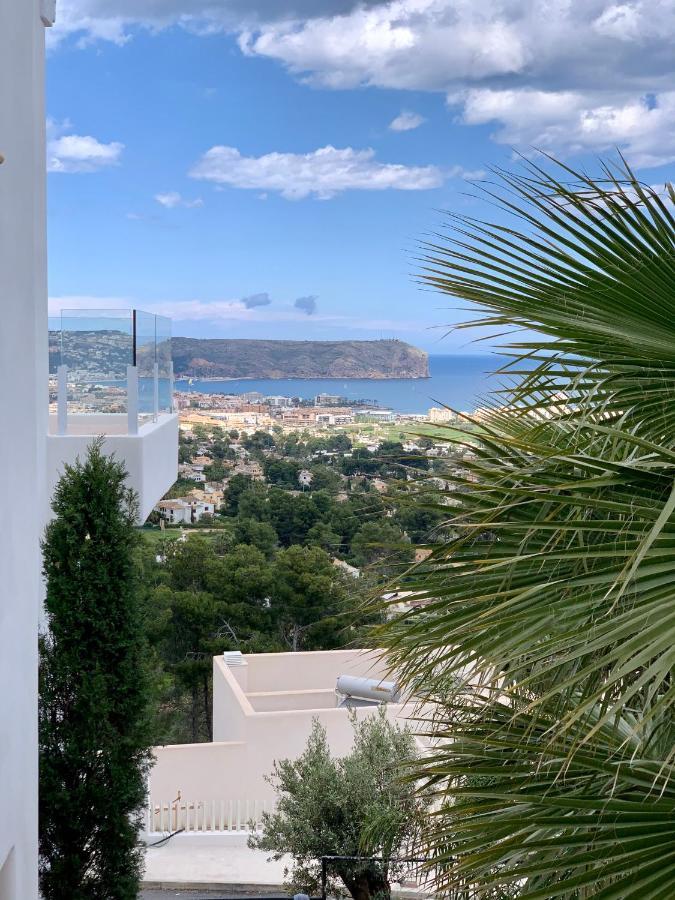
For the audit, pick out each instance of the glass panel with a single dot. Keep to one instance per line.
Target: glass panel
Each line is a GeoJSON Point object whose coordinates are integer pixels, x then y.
{"type": "Point", "coordinates": [163, 332]}
{"type": "Point", "coordinates": [54, 338]}
{"type": "Point", "coordinates": [146, 354]}
{"type": "Point", "coordinates": [97, 347]}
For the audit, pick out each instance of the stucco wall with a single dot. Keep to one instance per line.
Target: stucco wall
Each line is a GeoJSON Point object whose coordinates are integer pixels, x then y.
{"type": "Point", "coordinates": [23, 401]}
{"type": "Point", "coordinates": [249, 739]}
{"type": "Point", "coordinates": [151, 457]}
{"type": "Point", "coordinates": [309, 670]}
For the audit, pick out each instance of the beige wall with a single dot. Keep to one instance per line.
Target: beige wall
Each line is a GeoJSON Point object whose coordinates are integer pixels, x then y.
{"type": "Point", "coordinates": [252, 731]}
{"type": "Point", "coordinates": [310, 670]}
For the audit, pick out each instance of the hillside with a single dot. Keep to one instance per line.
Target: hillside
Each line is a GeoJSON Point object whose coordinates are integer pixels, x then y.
{"type": "Point", "coordinates": [223, 358]}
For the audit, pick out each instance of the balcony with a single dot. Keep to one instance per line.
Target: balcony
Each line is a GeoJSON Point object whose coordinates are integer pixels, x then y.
{"type": "Point", "coordinates": [111, 374]}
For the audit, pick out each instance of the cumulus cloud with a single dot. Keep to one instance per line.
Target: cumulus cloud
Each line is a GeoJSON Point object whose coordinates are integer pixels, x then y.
{"type": "Point", "coordinates": [101, 20]}
{"type": "Point", "coordinates": [587, 65]}
{"type": "Point", "coordinates": [597, 59]}
{"type": "Point", "coordinates": [254, 300]}
{"type": "Point", "coordinates": [571, 121]}
{"type": "Point", "coordinates": [307, 304]}
{"type": "Point", "coordinates": [406, 121]}
{"type": "Point", "coordinates": [173, 199]}
{"type": "Point", "coordinates": [321, 173]}
{"type": "Point", "coordinates": [72, 153]}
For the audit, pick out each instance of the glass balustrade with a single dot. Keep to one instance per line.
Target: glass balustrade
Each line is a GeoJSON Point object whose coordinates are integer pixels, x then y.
{"type": "Point", "coordinates": [110, 371]}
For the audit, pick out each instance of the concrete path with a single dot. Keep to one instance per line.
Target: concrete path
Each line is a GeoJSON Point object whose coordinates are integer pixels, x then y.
{"type": "Point", "coordinates": [231, 868]}
{"type": "Point", "coordinates": [173, 893]}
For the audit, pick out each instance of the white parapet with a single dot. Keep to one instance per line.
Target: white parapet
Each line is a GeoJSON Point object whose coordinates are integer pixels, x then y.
{"type": "Point", "coordinates": [150, 456]}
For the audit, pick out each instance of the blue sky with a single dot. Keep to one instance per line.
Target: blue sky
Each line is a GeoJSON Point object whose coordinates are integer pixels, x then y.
{"type": "Point", "coordinates": [267, 169]}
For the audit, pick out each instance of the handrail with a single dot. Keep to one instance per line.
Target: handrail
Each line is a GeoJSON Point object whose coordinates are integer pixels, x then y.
{"type": "Point", "coordinates": [218, 816]}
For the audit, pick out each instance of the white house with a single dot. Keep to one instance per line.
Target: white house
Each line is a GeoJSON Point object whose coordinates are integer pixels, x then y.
{"type": "Point", "coordinates": [175, 512]}
{"type": "Point", "coordinates": [33, 449]}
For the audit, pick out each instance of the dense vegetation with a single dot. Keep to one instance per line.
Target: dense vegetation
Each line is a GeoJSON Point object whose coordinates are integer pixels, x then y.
{"type": "Point", "coordinates": [261, 576]}
{"type": "Point", "coordinates": [557, 778]}
{"type": "Point", "coordinates": [94, 691]}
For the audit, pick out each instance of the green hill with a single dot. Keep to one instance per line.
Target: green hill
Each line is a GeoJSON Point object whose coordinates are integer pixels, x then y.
{"type": "Point", "coordinates": [224, 358]}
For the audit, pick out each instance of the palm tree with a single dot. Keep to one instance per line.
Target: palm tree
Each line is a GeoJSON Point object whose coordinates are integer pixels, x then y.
{"type": "Point", "coordinates": [546, 648]}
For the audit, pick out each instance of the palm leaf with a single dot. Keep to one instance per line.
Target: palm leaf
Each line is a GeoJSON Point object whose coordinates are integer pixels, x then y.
{"type": "Point", "coordinates": [546, 644]}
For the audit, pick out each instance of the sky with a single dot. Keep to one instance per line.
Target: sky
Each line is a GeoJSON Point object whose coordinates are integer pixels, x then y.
{"type": "Point", "coordinates": [268, 168]}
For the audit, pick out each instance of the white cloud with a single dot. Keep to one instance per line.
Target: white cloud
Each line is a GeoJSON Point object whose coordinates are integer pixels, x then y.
{"type": "Point", "coordinates": [172, 199]}
{"type": "Point", "coordinates": [571, 122]}
{"type": "Point", "coordinates": [406, 121]}
{"type": "Point", "coordinates": [322, 173]}
{"type": "Point", "coordinates": [103, 20]}
{"type": "Point", "coordinates": [597, 60]}
{"type": "Point", "coordinates": [220, 312]}
{"type": "Point", "coordinates": [78, 153]}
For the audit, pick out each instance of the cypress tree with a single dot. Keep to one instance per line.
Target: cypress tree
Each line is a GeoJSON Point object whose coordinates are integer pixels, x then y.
{"type": "Point", "coordinates": [94, 690]}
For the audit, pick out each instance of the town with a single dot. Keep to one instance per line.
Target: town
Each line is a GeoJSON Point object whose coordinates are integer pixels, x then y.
{"type": "Point", "coordinates": [224, 435]}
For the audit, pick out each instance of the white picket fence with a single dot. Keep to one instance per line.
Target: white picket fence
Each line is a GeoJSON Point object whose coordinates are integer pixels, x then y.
{"type": "Point", "coordinates": [205, 816]}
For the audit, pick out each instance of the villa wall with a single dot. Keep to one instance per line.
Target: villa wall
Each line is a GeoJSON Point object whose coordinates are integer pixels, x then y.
{"type": "Point", "coordinates": [23, 400]}
{"type": "Point", "coordinates": [150, 458]}
{"type": "Point", "coordinates": [253, 730]}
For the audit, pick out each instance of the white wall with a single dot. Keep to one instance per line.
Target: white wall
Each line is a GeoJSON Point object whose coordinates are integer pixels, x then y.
{"type": "Point", "coordinates": [150, 457]}
{"type": "Point", "coordinates": [23, 405]}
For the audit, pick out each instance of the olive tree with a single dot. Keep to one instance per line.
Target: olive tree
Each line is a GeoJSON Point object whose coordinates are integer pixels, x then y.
{"type": "Point", "coordinates": [355, 806]}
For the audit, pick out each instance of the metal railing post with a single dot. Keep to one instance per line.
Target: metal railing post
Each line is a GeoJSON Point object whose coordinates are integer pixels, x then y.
{"type": "Point", "coordinates": [132, 400]}
{"type": "Point", "coordinates": [172, 407]}
{"type": "Point", "coordinates": [155, 391]}
{"type": "Point", "coordinates": [62, 400]}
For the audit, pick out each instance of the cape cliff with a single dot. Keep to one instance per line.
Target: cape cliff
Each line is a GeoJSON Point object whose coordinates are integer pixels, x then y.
{"type": "Point", "coordinates": [235, 358]}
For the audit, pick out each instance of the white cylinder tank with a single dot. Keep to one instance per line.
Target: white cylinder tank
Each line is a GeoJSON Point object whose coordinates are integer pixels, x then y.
{"type": "Point", "coordinates": [368, 689]}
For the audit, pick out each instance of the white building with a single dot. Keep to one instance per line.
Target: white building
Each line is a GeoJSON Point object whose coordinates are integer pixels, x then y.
{"type": "Point", "coordinates": [263, 708]}
{"type": "Point", "coordinates": [29, 454]}
{"type": "Point", "coordinates": [175, 512]}
{"type": "Point", "coordinates": [23, 383]}
{"type": "Point", "coordinates": [184, 512]}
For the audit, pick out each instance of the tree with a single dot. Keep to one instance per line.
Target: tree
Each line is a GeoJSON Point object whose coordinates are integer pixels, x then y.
{"type": "Point", "coordinates": [216, 471]}
{"type": "Point", "coordinates": [94, 694]}
{"type": "Point", "coordinates": [325, 479]}
{"type": "Point", "coordinates": [282, 472]}
{"type": "Point", "coordinates": [292, 516]}
{"type": "Point", "coordinates": [256, 534]}
{"type": "Point", "coordinates": [383, 546]}
{"type": "Point", "coordinates": [187, 563]}
{"type": "Point", "coordinates": [354, 806]}
{"type": "Point", "coordinates": [321, 535]}
{"type": "Point", "coordinates": [306, 590]}
{"type": "Point", "coordinates": [235, 488]}
{"type": "Point", "coordinates": [259, 440]}
{"type": "Point", "coordinates": [189, 646]}
{"type": "Point", "coordinates": [557, 592]}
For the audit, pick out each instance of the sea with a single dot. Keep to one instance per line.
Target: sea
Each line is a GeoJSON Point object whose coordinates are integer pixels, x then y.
{"type": "Point", "coordinates": [460, 382]}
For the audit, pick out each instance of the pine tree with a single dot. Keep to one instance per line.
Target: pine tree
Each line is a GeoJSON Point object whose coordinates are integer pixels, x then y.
{"type": "Point", "coordinates": [94, 723]}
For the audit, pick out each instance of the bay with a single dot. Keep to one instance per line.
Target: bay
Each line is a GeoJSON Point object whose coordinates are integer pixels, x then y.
{"type": "Point", "coordinates": [458, 381]}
